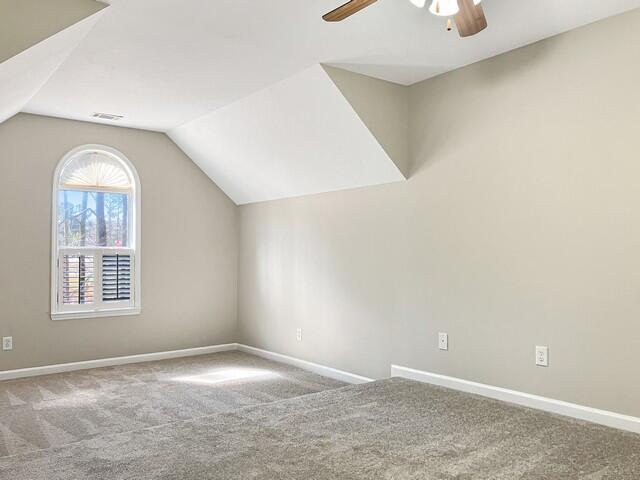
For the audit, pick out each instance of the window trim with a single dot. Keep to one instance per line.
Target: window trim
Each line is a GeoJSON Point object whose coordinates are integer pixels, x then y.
{"type": "Point", "coordinates": [134, 246]}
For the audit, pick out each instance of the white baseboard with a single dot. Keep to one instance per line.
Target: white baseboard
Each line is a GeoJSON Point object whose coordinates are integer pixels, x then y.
{"type": "Point", "coordinates": [110, 362]}
{"type": "Point", "coordinates": [189, 352]}
{"type": "Point", "coordinates": [594, 415]}
{"type": "Point", "coordinates": [305, 365]}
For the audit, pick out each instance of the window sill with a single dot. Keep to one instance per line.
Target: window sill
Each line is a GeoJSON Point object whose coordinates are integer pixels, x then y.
{"type": "Point", "coordinates": [116, 312]}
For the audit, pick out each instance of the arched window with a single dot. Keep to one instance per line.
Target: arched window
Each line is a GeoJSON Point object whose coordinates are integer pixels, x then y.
{"type": "Point", "coordinates": [95, 235]}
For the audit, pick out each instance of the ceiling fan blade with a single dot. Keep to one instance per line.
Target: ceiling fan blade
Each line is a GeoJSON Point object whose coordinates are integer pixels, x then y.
{"type": "Point", "coordinates": [347, 10]}
{"type": "Point", "coordinates": [470, 19]}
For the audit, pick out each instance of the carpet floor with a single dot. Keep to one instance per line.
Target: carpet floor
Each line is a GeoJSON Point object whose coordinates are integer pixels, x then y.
{"type": "Point", "coordinates": [389, 429]}
{"type": "Point", "coordinates": [53, 410]}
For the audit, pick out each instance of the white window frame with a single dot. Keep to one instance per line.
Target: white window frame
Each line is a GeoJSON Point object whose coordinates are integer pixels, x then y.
{"type": "Point", "coordinates": [98, 308]}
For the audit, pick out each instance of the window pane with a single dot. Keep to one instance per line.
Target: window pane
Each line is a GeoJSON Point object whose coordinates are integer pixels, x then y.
{"type": "Point", "coordinates": [93, 219]}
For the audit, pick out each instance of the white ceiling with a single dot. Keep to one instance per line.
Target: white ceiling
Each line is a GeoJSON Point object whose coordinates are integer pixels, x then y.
{"type": "Point", "coordinates": [24, 74]}
{"type": "Point", "coordinates": [297, 137]}
{"type": "Point", "coordinates": [238, 85]}
{"type": "Point", "coordinates": [162, 63]}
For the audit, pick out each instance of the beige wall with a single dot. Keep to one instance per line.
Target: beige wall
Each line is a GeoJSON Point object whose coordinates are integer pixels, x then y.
{"type": "Point", "coordinates": [520, 226]}
{"type": "Point", "coordinates": [189, 248]}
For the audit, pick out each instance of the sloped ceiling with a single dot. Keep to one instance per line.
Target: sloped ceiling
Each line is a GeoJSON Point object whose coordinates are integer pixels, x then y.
{"type": "Point", "coordinates": [206, 72]}
{"type": "Point", "coordinates": [35, 38]}
{"type": "Point", "coordinates": [298, 137]}
{"type": "Point", "coordinates": [161, 63]}
{"type": "Point", "coordinates": [383, 107]}
{"type": "Point", "coordinates": [23, 75]}
{"type": "Point", "coordinates": [24, 23]}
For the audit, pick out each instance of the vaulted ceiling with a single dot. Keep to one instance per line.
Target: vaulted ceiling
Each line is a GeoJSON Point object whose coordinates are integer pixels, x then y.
{"type": "Point", "coordinates": [225, 77]}
{"type": "Point", "coordinates": [296, 137]}
{"type": "Point", "coordinates": [35, 39]}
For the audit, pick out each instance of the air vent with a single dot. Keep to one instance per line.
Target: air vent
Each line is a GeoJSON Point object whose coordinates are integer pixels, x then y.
{"type": "Point", "coordinates": [107, 116]}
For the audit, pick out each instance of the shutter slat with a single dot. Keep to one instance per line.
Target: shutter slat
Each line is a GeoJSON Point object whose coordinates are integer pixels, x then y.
{"type": "Point", "coordinates": [78, 279]}
{"type": "Point", "coordinates": [116, 277]}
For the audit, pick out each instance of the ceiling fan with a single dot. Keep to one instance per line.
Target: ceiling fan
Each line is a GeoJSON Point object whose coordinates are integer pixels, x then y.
{"type": "Point", "coordinates": [468, 14]}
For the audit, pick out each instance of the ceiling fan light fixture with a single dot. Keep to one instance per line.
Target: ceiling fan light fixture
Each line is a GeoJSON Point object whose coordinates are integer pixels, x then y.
{"type": "Point", "coordinates": [420, 3]}
{"type": "Point", "coordinates": [444, 8]}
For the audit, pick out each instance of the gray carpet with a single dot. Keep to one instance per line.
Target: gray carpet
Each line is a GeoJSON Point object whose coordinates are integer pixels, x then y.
{"type": "Point", "coordinates": [48, 411]}
{"type": "Point", "coordinates": [391, 429]}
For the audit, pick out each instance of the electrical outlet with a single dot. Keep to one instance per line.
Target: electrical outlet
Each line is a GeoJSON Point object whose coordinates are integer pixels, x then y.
{"type": "Point", "coordinates": [7, 343]}
{"type": "Point", "coordinates": [443, 341]}
{"type": "Point", "coordinates": [542, 356]}
{"type": "Point", "coordinates": [299, 334]}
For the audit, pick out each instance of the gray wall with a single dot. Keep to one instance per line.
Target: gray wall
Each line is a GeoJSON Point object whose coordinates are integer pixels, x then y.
{"type": "Point", "coordinates": [189, 248]}
{"type": "Point", "coordinates": [520, 226]}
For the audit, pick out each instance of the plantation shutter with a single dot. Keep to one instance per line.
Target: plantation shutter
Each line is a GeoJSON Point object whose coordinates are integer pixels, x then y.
{"type": "Point", "coordinates": [78, 279]}
{"type": "Point", "coordinates": [99, 279]}
{"type": "Point", "coordinates": [116, 277]}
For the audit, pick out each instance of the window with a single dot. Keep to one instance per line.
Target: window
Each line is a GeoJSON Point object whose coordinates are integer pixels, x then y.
{"type": "Point", "coordinates": [95, 235]}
